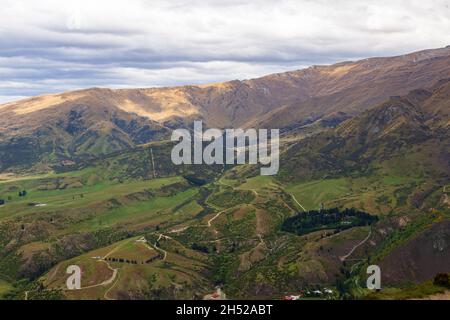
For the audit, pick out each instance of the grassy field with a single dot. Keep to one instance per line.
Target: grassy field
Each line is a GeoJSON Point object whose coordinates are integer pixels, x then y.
{"type": "Point", "coordinates": [312, 194]}
{"type": "Point", "coordinates": [101, 205]}
{"type": "Point", "coordinates": [157, 209]}
{"type": "Point", "coordinates": [420, 291]}
{"type": "Point", "coordinates": [68, 197]}
{"type": "Point", "coordinates": [375, 194]}
{"type": "Point", "coordinates": [4, 287]}
{"type": "Point", "coordinates": [256, 183]}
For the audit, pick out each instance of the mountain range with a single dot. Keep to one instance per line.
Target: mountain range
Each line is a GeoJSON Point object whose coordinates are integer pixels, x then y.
{"type": "Point", "coordinates": [86, 179]}
{"type": "Point", "coordinates": [96, 121]}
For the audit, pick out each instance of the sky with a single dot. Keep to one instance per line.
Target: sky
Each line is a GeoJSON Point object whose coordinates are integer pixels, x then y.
{"type": "Point", "coordinates": [50, 46]}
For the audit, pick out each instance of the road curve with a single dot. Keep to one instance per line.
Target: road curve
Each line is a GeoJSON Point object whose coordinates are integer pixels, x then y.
{"type": "Point", "coordinates": [343, 258]}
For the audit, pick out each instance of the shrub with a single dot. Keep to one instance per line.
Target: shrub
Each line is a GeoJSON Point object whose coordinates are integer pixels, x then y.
{"type": "Point", "coordinates": [442, 280]}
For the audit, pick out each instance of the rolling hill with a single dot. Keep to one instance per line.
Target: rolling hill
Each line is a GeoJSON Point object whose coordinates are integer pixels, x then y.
{"type": "Point", "coordinates": [101, 191]}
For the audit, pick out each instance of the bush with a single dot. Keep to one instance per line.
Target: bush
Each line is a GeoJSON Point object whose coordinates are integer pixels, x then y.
{"type": "Point", "coordinates": [442, 280]}
{"type": "Point", "coordinates": [200, 248]}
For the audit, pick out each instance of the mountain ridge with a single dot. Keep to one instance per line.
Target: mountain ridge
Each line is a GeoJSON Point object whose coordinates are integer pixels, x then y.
{"type": "Point", "coordinates": [402, 126]}
{"type": "Point", "coordinates": [271, 92]}
{"type": "Point", "coordinates": [98, 121]}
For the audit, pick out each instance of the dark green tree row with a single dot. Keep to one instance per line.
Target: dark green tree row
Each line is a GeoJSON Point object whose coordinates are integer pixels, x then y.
{"type": "Point", "coordinates": [334, 218]}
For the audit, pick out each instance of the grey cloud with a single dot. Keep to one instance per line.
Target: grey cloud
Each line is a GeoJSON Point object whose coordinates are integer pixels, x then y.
{"type": "Point", "coordinates": [51, 46]}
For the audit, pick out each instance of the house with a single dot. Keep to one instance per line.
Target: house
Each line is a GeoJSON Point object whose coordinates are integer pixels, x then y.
{"type": "Point", "coordinates": [218, 295]}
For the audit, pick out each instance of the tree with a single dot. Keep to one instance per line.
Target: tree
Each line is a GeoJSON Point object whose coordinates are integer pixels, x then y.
{"type": "Point", "coordinates": [200, 248]}
{"type": "Point", "coordinates": [442, 280]}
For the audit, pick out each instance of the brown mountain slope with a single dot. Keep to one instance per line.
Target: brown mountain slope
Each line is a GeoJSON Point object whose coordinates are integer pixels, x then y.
{"type": "Point", "coordinates": [99, 121]}
{"type": "Point", "coordinates": [283, 98]}
{"type": "Point", "coordinates": [82, 124]}
{"type": "Point", "coordinates": [409, 127]}
{"type": "Point", "coordinates": [352, 87]}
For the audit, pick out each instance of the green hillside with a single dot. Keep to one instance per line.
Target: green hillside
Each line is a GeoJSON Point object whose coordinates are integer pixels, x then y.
{"type": "Point", "coordinates": [366, 188]}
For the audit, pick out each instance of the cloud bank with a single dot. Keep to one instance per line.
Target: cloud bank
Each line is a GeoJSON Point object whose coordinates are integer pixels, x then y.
{"type": "Point", "coordinates": [52, 46]}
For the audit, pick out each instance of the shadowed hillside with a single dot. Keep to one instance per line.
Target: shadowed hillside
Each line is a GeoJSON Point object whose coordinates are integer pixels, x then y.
{"type": "Point", "coordinates": [52, 128]}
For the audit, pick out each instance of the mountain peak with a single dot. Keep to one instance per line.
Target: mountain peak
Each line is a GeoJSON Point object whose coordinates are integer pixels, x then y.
{"type": "Point", "coordinates": [293, 99]}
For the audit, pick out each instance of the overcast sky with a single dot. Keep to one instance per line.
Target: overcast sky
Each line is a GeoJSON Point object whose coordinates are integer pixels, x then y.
{"type": "Point", "coordinates": [51, 46]}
